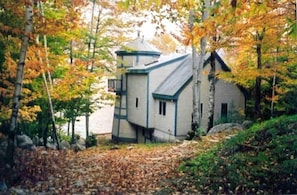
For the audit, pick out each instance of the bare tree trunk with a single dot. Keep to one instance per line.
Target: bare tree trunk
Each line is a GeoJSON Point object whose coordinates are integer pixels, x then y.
{"type": "Point", "coordinates": [257, 109]}
{"type": "Point", "coordinates": [19, 83]}
{"type": "Point", "coordinates": [45, 46]}
{"type": "Point", "coordinates": [73, 130]}
{"type": "Point", "coordinates": [49, 99]}
{"type": "Point", "coordinates": [212, 81]}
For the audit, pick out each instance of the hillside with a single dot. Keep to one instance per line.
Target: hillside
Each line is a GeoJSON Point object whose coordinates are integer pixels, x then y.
{"type": "Point", "coordinates": [261, 160]}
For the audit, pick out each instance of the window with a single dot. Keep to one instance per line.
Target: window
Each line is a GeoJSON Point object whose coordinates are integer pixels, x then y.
{"type": "Point", "coordinates": [136, 103]}
{"type": "Point", "coordinates": [201, 110]}
{"type": "Point", "coordinates": [162, 108]}
{"type": "Point", "coordinates": [224, 112]}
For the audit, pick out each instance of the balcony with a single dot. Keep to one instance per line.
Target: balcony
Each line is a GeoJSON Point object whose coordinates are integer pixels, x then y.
{"type": "Point", "coordinates": [114, 85]}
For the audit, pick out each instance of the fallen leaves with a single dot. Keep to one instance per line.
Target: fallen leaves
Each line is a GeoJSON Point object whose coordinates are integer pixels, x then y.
{"type": "Point", "coordinates": [130, 170]}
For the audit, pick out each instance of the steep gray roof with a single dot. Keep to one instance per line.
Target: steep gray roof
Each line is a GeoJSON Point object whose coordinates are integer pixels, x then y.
{"type": "Point", "coordinates": [175, 82]}
{"type": "Point", "coordinates": [171, 87]}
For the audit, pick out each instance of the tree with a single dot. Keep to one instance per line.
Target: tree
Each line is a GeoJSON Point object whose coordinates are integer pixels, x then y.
{"type": "Point", "coordinates": [18, 84]}
{"type": "Point", "coordinates": [251, 32]}
{"type": "Point", "coordinates": [165, 43]}
{"type": "Point", "coordinates": [106, 32]}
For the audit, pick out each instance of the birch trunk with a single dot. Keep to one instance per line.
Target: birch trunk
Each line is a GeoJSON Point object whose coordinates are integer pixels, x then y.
{"type": "Point", "coordinates": [19, 83]}
{"type": "Point", "coordinates": [196, 115]}
{"type": "Point", "coordinates": [197, 70]}
{"type": "Point", "coordinates": [49, 99]}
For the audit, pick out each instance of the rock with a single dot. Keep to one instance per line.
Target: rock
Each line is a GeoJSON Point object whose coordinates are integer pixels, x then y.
{"type": "Point", "coordinates": [3, 146]}
{"type": "Point", "coordinates": [18, 191]}
{"type": "Point", "coordinates": [36, 141]}
{"type": "Point", "coordinates": [247, 124]}
{"type": "Point", "coordinates": [79, 183]}
{"type": "Point", "coordinates": [51, 146]}
{"type": "Point", "coordinates": [65, 145]}
{"type": "Point", "coordinates": [3, 186]}
{"type": "Point", "coordinates": [81, 141]}
{"type": "Point", "coordinates": [24, 142]}
{"type": "Point", "coordinates": [77, 147]}
{"type": "Point", "coordinates": [115, 147]}
{"type": "Point", "coordinates": [225, 127]}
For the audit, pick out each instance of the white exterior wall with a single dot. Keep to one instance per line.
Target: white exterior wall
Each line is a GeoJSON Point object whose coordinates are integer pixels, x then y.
{"type": "Point", "coordinates": [156, 77]}
{"type": "Point", "coordinates": [165, 123]}
{"type": "Point", "coordinates": [184, 111]}
{"type": "Point", "coordinates": [137, 89]}
{"type": "Point", "coordinates": [224, 93]}
{"type": "Point", "coordinates": [230, 94]}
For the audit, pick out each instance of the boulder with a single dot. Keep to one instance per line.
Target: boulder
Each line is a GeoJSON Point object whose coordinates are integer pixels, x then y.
{"type": "Point", "coordinates": [3, 186]}
{"type": "Point", "coordinates": [3, 146]}
{"type": "Point", "coordinates": [65, 145]}
{"type": "Point", "coordinates": [247, 124]}
{"type": "Point", "coordinates": [225, 127]}
{"type": "Point", "coordinates": [51, 146]}
{"type": "Point", "coordinates": [77, 147]}
{"type": "Point", "coordinates": [24, 142]}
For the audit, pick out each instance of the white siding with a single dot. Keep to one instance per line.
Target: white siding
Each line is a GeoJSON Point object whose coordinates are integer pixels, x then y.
{"type": "Point", "coordinates": [137, 89]}
{"type": "Point", "coordinates": [230, 94]}
{"type": "Point", "coordinates": [224, 93]}
{"type": "Point", "coordinates": [156, 77]}
{"type": "Point", "coordinates": [165, 122]}
{"type": "Point", "coordinates": [184, 111]}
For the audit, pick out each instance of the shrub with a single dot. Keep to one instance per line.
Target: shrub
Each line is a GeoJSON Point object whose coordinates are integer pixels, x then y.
{"type": "Point", "coordinates": [91, 141]}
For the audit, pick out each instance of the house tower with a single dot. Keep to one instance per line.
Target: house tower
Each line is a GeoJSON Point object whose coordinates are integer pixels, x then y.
{"type": "Point", "coordinates": [137, 52]}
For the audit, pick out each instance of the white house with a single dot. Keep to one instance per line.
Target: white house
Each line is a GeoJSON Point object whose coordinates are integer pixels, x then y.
{"type": "Point", "coordinates": [154, 95]}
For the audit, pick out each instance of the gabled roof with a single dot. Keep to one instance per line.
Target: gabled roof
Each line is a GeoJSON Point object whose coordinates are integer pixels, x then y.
{"type": "Point", "coordinates": [169, 88]}
{"type": "Point", "coordinates": [181, 76]}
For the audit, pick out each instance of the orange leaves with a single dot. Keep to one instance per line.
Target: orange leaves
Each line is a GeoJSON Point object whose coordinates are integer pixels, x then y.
{"type": "Point", "coordinates": [29, 113]}
{"type": "Point", "coordinates": [75, 82]}
{"type": "Point", "coordinates": [134, 169]}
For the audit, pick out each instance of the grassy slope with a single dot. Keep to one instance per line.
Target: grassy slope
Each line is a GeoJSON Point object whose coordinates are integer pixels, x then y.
{"type": "Point", "coordinates": [262, 159]}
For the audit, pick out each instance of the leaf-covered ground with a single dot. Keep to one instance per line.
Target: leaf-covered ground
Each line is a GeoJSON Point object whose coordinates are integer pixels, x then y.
{"type": "Point", "coordinates": [130, 169]}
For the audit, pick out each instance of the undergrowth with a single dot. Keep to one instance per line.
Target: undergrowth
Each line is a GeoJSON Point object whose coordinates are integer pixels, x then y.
{"type": "Point", "coordinates": [262, 159]}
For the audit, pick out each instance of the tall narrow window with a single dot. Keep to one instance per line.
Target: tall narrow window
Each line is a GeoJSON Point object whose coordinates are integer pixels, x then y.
{"type": "Point", "coordinates": [201, 110]}
{"type": "Point", "coordinates": [224, 112]}
{"type": "Point", "coordinates": [136, 102]}
{"type": "Point", "coordinates": [162, 108]}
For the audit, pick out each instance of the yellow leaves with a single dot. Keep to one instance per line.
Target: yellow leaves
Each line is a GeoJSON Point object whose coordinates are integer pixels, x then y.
{"type": "Point", "coordinates": [164, 43]}
{"type": "Point", "coordinates": [29, 113]}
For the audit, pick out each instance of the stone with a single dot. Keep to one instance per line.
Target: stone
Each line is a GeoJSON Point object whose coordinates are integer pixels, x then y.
{"type": "Point", "coordinates": [3, 186]}
{"type": "Point", "coordinates": [65, 145]}
{"type": "Point", "coordinates": [77, 147]}
{"type": "Point", "coordinates": [51, 146]}
{"type": "Point", "coordinates": [24, 142]}
{"type": "Point", "coordinates": [247, 124]}
{"type": "Point", "coordinates": [224, 128]}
